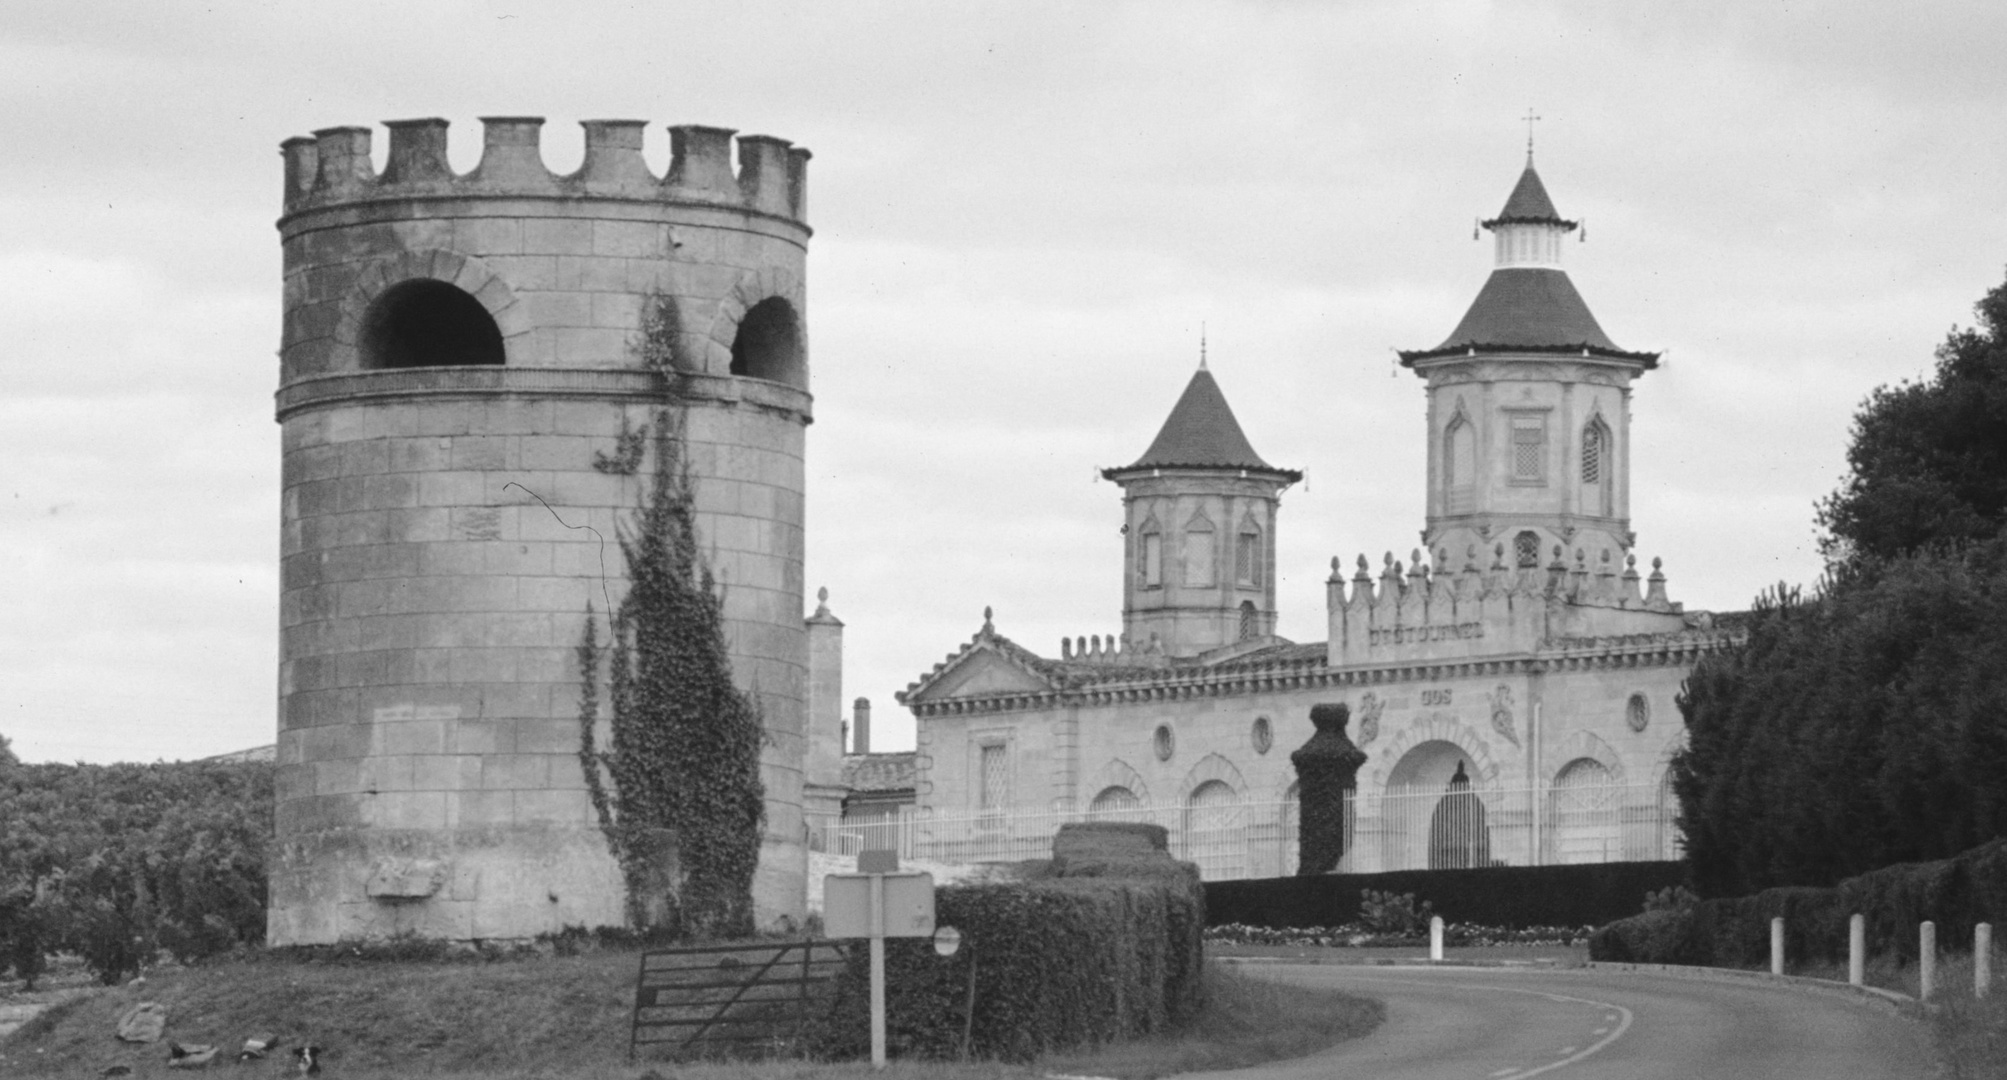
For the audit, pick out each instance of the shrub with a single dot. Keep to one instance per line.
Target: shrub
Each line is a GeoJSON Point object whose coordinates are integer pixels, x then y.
{"type": "Point", "coordinates": [1655, 937]}
{"type": "Point", "coordinates": [1386, 913]}
{"type": "Point", "coordinates": [1671, 898]}
{"type": "Point", "coordinates": [1109, 947]}
{"type": "Point", "coordinates": [1955, 893]}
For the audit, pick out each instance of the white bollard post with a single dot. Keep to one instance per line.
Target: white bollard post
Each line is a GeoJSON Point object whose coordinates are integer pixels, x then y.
{"type": "Point", "coordinates": [1777, 946]}
{"type": "Point", "coordinates": [1857, 950]}
{"type": "Point", "coordinates": [1435, 937]}
{"type": "Point", "coordinates": [1926, 959]}
{"type": "Point", "coordinates": [1982, 959]}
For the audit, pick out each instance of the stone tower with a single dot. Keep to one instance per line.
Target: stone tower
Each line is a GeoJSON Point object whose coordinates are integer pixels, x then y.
{"type": "Point", "coordinates": [1199, 526]}
{"type": "Point", "coordinates": [1528, 411]}
{"type": "Point", "coordinates": [467, 363]}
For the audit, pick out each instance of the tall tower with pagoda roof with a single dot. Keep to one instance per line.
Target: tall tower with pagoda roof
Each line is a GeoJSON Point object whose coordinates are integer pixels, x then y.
{"type": "Point", "coordinates": [1199, 509]}
{"type": "Point", "coordinates": [1528, 410]}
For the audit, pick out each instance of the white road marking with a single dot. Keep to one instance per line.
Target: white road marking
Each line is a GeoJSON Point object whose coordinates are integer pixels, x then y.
{"type": "Point", "coordinates": [1617, 1013]}
{"type": "Point", "coordinates": [1566, 1050]}
{"type": "Point", "coordinates": [1599, 1031]}
{"type": "Point", "coordinates": [1506, 1072]}
{"type": "Point", "coordinates": [1623, 1025]}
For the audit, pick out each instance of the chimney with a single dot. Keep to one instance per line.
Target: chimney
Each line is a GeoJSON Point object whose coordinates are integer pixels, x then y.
{"type": "Point", "coordinates": [860, 726]}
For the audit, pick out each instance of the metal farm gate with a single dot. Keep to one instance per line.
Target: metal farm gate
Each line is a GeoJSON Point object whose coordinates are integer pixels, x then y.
{"type": "Point", "coordinates": [730, 997]}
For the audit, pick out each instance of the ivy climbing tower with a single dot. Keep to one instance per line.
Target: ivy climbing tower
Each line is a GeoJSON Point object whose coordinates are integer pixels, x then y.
{"type": "Point", "coordinates": [469, 368]}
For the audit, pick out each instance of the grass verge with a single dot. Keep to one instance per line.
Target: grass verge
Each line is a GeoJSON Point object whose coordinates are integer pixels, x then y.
{"type": "Point", "coordinates": [1970, 1032]}
{"type": "Point", "coordinates": [558, 1018]}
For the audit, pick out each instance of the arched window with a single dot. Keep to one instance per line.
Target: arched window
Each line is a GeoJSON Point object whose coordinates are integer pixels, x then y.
{"type": "Point", "coordinates": [1526, 550]}
{"type": "Point", "coordinates": [1248, 555]}
{"type": "Point", "coordinates": [1460, 466]}
{"type": "Point", "coordinates": [1459, 835]}
{"type": "Point", "coordinates": [1584, 815]}
{"type": "Point", "coordinates": [1150, 556]}
{"type": "Point", "coordinates": [1250, 621]}
{"type": "Point", "coordinates": [1199, 553]}
{"type": "Point", "coordinates": [428, 323]}
{"type": "Point", "coordinates": [768, 345]}
{"type": "Point", "coordinates": [1213, 833]}
{"type": "Point", "coordinates": [1115, 803]}
{"type": "Point", "coordinates": [1597, 469]}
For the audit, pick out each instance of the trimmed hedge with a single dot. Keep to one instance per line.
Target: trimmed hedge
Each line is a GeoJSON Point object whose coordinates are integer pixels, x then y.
{"type": "Point", "coordinates": [1108, 945]}
{"type": "Point", "coordinates": [1955, 893]}
{"type": "Point", "coordinates": [1500, 896]}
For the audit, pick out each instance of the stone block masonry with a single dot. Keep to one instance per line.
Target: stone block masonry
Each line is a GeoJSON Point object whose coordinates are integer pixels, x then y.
{"type": "Point", "coordinates": [462, 357]}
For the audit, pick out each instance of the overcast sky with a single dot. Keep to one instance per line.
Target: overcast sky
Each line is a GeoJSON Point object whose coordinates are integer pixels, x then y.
{"type": "Point", "coordinates": [1023, 214]}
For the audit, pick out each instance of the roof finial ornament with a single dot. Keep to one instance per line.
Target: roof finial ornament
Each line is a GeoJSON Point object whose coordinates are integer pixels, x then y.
{"type": "Point", "coordinates": [1202, 346]}
{"type": "Point", "coordinates": [1530, 120]}
{"type": "Point", "coordinates": [988, 625]}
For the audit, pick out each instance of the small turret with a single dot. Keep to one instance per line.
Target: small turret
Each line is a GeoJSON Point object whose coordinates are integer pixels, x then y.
{"type": "Point", "coordinates": [1200, 508]}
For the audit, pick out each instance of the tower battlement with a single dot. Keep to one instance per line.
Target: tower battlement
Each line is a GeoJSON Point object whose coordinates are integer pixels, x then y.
{"type": "Point", "coordinates": [333, 167]}
{"type": "Point", "coordinates": [1424, 612]}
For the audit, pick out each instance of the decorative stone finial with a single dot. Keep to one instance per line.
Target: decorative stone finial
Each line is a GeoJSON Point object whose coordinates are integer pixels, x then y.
{"type": "Point", "coordinates": [988, 615]}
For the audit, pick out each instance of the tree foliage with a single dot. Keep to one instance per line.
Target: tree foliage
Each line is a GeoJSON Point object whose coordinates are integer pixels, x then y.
{"type": "Point", "coordinates": [1928, 459]}
{"type": "Point", "coordinates": [118, 862]}
{"type": "Point", "coordinates": [1866, 723]}
{"type": "Point", "coordinates": [679, 794]}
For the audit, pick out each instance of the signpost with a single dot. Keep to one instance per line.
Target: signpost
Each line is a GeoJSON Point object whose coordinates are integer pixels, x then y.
{"type": "Point", "coordinates": [878, 902]}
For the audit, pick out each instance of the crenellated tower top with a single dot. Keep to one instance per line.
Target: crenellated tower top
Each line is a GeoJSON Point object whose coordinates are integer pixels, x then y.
{"type": "Point", "coordinates": [334, 168]}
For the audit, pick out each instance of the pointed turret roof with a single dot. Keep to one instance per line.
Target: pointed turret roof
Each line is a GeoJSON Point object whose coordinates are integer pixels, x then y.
{"type": "Point", "coordinates": [1201, 433]}
{"type": "Point", "coordinates": [1529, 308]}
{"type": "Point", "coordinates": [1529, 204]}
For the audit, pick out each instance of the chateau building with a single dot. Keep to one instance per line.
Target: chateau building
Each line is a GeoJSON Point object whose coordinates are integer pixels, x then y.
{"type": "Point", "coordinates": [1512, 684]}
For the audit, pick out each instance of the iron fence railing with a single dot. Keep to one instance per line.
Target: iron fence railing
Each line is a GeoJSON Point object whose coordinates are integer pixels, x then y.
{"type": "Point", "coordinates": [1399, 829]}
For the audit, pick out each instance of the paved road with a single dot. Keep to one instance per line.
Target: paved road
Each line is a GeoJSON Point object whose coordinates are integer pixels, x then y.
{"type": "Point", "coordinates": [1513, 1024]}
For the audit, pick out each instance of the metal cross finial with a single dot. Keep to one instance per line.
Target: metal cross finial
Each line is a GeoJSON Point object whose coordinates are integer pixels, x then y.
{"type": "Point", "coordinates": [1530, 120]}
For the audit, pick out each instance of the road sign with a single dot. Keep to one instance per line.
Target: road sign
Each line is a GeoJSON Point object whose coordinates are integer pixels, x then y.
{"type": "Point", "coordinates": [878, 905]}
{"type": "Point", "coordinates": [909, 905]}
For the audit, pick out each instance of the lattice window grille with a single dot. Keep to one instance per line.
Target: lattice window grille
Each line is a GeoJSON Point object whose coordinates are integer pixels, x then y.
{"type": "Point", "coordinates": [1247, 559]}
{"type": "Point", "coordinates": [1526, 550]}
{"type": "Point", "coordinates": [1529, 451]}
{"type": "Point", "coordinates": [995, 786]}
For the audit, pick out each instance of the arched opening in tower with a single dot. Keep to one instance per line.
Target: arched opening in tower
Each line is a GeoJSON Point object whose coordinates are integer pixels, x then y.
{"type": "Point", "coordinates": [768, 345]}
{"type": "Point", "coordinates": [428, 323]}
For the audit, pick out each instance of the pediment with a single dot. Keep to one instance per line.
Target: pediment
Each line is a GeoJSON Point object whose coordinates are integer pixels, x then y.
{"type": "Point", "coordinates": [982, 673]}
